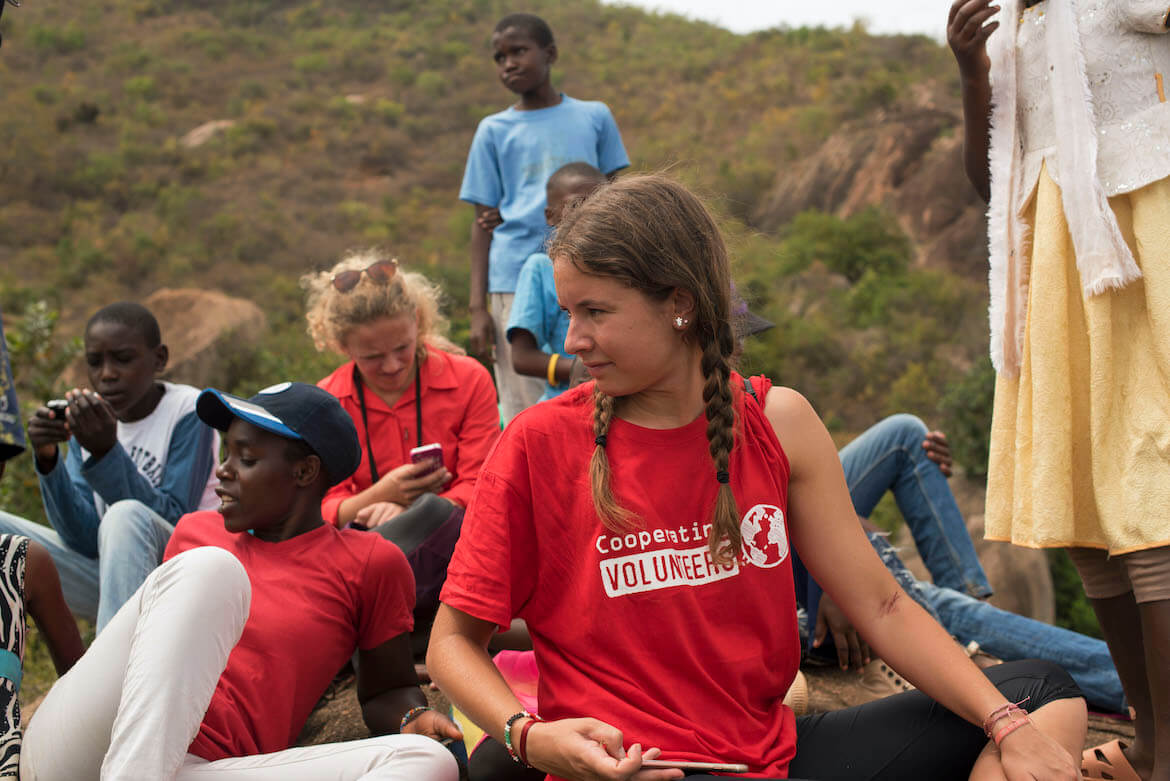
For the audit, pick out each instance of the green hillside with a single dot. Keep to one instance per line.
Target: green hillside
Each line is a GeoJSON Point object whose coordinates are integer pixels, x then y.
{"type": "Point", "coordinates": [351, 124]}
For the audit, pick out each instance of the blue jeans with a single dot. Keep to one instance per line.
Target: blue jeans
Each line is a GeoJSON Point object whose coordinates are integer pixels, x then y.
{"type": "Point", "coordinates": [131, 539]}
{"type": "Point", "coordinates": [889, 457]}
{"type": "Point", "coordinates": [1011, 637]}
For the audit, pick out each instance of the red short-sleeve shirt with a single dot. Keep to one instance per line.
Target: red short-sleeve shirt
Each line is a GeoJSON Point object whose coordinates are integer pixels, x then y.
{"type": "Point", "coordinates": [640, 628]}
{"type": "Point", "coordinates": [315, 598]}
{"type": "Point", "coordinates": [459, 412]}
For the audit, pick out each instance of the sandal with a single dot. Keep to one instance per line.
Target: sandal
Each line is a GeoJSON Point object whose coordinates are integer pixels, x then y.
{"type": "Point", "coordinates": [1108, 762]}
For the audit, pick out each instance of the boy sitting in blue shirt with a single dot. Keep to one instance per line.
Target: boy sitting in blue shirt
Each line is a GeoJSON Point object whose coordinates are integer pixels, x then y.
{"type": "Point", "coordinates": [512, 155]}
{"type": "Point", "coordinates": [537, 327]}
{"type": "Point", "coordinates": [138, 459]}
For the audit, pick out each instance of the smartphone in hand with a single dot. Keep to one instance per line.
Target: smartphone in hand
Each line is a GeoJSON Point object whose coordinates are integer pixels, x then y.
{"type": "Point", "coordinates": [711, 767]}
{"type": "Point", "coordinates": [431, 454]}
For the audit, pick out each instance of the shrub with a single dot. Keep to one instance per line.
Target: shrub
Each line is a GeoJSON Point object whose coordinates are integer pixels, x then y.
{"type": "Point", "coordinates": [966, 409]}
{"type": "Point", "coordinates": [141, 87]}
{"type": "Point", "coordinates": [54, 40]}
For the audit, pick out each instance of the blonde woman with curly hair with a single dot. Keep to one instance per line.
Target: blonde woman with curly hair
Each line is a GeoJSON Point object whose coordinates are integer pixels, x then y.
{"type": "Point", "coordinates": [407, 388]}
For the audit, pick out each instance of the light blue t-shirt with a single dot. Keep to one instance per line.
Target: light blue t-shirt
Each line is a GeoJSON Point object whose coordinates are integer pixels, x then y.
{"type": "Point", "coordinates": [535, 309]}
{"type": "Point", "coordinates": [511, 158]}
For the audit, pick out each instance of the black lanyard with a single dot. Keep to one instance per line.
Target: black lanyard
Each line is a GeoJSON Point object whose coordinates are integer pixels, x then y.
{"type": "Point", "coordinates": [361, 394]}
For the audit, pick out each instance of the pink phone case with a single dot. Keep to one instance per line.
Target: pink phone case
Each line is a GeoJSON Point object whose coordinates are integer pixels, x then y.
{"type": "Point", "coordinates": [432, 453]}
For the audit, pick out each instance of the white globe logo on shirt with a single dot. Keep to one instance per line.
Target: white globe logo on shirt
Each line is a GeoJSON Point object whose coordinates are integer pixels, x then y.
{"type": "Point", "coordinates": [765, 540]}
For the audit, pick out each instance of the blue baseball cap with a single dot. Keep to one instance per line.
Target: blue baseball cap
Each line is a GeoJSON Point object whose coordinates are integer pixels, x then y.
{"type": "Point", "coordinates": [292, 410]}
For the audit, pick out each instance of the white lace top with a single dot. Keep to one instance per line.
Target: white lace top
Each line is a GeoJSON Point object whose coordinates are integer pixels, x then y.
{"type": "Point", "coordinates": [1126, 58]}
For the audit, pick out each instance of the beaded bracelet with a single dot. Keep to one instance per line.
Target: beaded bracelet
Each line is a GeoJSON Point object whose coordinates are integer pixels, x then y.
{"type": "Point", "coordinates": [411, 715]}
{"type": "Point", "coordinates": [515, 717]}
{"type": "Point", "coordinates": [1009, 729]}
{"type": "Point", "coordinates": [999, 713]}
{"type": "Point", "coordinates": [522, 744]}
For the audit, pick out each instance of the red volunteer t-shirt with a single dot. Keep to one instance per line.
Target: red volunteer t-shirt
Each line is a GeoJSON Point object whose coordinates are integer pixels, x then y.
{"type": "Point", "coordinates": [641, 629]}
{"type": "Point", "coordinates": [315, 598]}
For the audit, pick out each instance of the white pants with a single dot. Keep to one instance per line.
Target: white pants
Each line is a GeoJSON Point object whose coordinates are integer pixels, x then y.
{"type": "Point", "coordinates": [133, 703]}
{"type": "Point", "coordinates": [517, 392]}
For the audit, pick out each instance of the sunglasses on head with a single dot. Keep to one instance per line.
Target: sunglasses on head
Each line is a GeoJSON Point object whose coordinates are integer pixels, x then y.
{"type": "Point", "coordinates": [380, 271]}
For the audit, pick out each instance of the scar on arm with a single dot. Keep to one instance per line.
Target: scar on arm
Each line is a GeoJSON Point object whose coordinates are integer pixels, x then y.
{"type": "Point", "coordinates": [889, 604]}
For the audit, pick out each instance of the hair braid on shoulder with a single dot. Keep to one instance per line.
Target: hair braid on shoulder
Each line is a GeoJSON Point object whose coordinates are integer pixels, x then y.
{"type": "Point", "coordinates": [725, 542]}
{"type": "Point", "coordinates": [613, 515]}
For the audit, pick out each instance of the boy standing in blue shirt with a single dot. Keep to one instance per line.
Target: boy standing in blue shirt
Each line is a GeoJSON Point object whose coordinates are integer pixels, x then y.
{"type": "Point", "coordinates": [537, 326]}
{"type": "Point", "coordinates": [512, 155]}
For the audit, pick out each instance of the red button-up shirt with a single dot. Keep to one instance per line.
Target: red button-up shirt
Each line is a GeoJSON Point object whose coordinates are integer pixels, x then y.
{"type": "Point", "coordinates": [459, 412]}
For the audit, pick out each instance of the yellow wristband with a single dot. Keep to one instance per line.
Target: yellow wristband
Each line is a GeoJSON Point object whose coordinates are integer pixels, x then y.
{"type": "Point", "coordinates": [552, 369]}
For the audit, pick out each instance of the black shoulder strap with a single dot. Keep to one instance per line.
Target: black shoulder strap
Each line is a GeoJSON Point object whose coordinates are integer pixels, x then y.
{"type": "Point", "coordinates": [747, 386]}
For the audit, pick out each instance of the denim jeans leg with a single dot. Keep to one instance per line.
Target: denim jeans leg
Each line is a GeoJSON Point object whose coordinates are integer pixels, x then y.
{"type": "Point", "coordinates": [889, 457]}
{"type": "Point", "coordinates": [131, 541]}
{"type": "Point", "coordinates": [1012, 637]}
{"type": "Point", "coordinates": [78, 572]}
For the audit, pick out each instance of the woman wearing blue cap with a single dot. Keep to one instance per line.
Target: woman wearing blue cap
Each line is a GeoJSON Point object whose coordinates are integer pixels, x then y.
{"type": "Point", "coordinates": [211, 669]}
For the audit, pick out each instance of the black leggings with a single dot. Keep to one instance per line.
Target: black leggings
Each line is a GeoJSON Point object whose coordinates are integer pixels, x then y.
{"type": "Point", "coordinates": [426, 532]}
{"type": "Point", "coordinates": [905, 736]}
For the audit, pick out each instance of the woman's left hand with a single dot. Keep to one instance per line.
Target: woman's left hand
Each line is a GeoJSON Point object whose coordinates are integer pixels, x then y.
{"type": "Point", "coordinates": [434, 725]}
{"type": "Point", "coordinates": [373, 515]}
{"type": "Point", "coordinates": [1028, 754]}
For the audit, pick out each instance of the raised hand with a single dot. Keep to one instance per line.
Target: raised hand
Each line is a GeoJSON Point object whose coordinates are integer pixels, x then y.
{"type": "Point", "coordinates": [92, 421]}
{"type": "Point", "coordinates": [46, 429]}
{"type": "Point", "coordinates": [967, 31]}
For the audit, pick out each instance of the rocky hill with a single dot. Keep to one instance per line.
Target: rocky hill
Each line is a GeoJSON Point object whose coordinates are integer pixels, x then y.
{"type": "Point", "coordinates": [234, 145]}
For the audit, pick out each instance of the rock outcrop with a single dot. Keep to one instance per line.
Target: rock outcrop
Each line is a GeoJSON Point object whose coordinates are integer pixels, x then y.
{"type": "Point", "coordinates": [909, 163]}
{"type": "Point", "coordinates": [200, 328]}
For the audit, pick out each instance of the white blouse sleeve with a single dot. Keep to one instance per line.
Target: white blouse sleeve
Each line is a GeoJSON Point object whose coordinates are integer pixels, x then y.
{"type": "Point", "coordinates": [1145, 16]}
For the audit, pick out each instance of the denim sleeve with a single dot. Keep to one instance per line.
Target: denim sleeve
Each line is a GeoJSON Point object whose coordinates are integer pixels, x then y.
{"type": "Point", "coordinates": [528, 305]}
{"type": "Point", "coordinates": [115, 477]}
{"type": "Point", "coordinates": [69, 504]}
{"type": "Point", "coordinates": [482, 182]}
{"type": "Point", "coordinates": [611, 153]}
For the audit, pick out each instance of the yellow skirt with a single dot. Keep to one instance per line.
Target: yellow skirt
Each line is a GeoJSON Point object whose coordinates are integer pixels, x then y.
{"type": "Point", "coordinates": [1080, 440]}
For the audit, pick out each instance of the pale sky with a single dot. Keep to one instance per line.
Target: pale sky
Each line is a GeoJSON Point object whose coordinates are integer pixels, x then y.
{"type": "Point", "coordinates": [907, 16]}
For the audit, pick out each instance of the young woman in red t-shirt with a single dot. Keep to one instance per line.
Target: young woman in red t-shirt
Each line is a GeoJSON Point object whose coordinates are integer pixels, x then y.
{"type": "Point", "coordinates": [641, 525]}
{"type": "Point", "coordinates": [405, 386]}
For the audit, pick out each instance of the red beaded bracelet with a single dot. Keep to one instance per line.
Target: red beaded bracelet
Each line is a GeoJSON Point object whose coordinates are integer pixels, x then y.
{"type": "Point", "coordinates": [522, 744]}
{"type": "Point", "coordinates": [1009, 729]}
{"type": "Point", "coordinates": [999, 713]}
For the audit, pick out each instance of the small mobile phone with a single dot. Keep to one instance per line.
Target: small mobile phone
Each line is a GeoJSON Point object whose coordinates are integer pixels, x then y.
{"type": "Point", "coordinates": [57, 405]}
{"type": "Point", "coordinates": [715, 767]}
{"type": "Point", "coordinates": [432, 454]}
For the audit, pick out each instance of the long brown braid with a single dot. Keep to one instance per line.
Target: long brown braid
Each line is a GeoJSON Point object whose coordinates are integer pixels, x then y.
{"type": "Point", "coordinates": [652, 234]}
{"type": "Point", "coordinates": [612, 514]}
